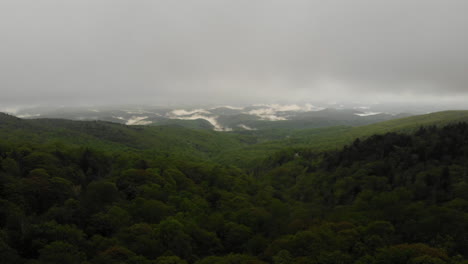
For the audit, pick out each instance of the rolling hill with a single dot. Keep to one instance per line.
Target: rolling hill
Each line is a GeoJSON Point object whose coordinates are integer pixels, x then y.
{"type": "Point", "coordinates": [109, 136]}
{"type": "Point", "coordinates": [332, 138]}
{"type": "Point", "coordinates": [224, 118]}
{"type": "Point", "coordinates": [241, 148]}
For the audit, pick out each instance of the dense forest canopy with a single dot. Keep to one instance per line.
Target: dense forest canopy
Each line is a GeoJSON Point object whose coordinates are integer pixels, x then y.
{"type": "Point", "coordinates": [388, 198]}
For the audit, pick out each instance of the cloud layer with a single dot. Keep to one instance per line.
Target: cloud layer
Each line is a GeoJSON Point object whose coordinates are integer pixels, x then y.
{"type": "Point", "coordinates": [219, 51]}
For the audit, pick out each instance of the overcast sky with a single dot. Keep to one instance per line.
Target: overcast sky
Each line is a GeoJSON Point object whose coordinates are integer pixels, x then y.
{"type": "Point", "coordinates": [238, 51]}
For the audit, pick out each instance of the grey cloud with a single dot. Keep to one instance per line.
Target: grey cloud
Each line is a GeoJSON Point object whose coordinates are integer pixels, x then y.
{"type": "Point", "coordinates": [57, 51]}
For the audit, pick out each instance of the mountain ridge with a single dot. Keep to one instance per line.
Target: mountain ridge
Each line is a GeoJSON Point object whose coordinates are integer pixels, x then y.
{"type": "Point", "coordinates": [240, 148]}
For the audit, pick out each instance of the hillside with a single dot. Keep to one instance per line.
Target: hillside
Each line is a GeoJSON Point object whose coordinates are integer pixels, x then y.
{"type": "Point", "coordinates": [336, 138]}
{"type": "Point", "coordinates": [5, 118]}
{"type": "Point", "coordinates": [330, 138]}
{"type": "Point", "coordinates": [392, 198]}
{"type": "Point", "coordinates": [108, 136]}
{"type": "Point", "coordinates": [242, 148]}
{"type": "Point", "coordinates": [224, 118]}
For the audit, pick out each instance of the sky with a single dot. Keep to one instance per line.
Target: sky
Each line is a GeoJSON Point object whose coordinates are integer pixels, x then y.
{"type": "Point", "coordinates": [67, 52]}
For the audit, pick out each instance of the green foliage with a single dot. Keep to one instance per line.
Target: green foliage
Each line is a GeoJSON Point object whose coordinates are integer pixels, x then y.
{"type": "Point", "coordinates": [59, 252]}
{"type": "Point", "coordinates": [132, 198]}
{"type": "Point", "coordinates": [170, 260]}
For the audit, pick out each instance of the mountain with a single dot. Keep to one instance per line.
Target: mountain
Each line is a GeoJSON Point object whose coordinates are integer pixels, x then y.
{"type": "Point", "coordinates": [387, 198]}
{"type": "Point", "coordinates": [223, 118]}
{"type": "Point", "coordinates": [172, 139]}
{"type": "Point", "coordinates": [241, 148]}
{"type": "Point", "coordinates": [407, 124]}
{"type": "Point", "coordinates": [333, 137]}
{"type": "Point", "coordinates": [6, 118]}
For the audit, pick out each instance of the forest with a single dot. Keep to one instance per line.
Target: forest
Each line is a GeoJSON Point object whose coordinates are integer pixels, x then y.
{"type": "Point", "coordinates": [391, 198]}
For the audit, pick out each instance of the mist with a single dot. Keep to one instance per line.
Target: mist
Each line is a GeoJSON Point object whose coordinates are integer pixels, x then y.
{"type": "Point", "coordinates": [56, 52]}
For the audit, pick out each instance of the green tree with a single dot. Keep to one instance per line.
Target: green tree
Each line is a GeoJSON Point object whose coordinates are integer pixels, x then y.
{"type": "Point", "coordinates": [60, 252]}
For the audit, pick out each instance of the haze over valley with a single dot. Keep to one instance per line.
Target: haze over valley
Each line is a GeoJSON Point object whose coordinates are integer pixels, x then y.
{"type": "Point", "coordinates": [220, 118]}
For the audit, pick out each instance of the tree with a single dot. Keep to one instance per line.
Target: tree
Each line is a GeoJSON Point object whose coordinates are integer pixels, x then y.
{"type": "Point", "coordinates": [174, 239]}
{"type": "Point", "coordinates": [170, 260]}
{"type": "Point", "coordinates": [60, 252]}
{"type": "Point", "coordinates": [100, 194]}
{"type": "Point", "coordinates": [283, 257]}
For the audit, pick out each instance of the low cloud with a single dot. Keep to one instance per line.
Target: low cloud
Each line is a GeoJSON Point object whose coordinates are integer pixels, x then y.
{"type": "Point", "coordinates": [229, 52]}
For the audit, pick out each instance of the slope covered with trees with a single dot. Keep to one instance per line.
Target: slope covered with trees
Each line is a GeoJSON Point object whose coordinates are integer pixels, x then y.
{"type": "Point", "coordinates": [392, 198]}
{"type": "Point", "coordinates": [329, 138]}
{"type": "Point", "coordinates": [243, 149]}
{"type": "Point", "coordinates": [163, 140]}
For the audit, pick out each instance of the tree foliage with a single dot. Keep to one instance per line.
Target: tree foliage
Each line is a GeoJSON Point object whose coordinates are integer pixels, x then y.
{"type": "Point", "coordinates": [390, 198]}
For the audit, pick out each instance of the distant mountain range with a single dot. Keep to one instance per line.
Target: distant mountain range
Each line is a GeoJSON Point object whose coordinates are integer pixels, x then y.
{"type": "Point", "coordinates": [241, 147]}
{"type": "Point", "coordinates": [221, 118]}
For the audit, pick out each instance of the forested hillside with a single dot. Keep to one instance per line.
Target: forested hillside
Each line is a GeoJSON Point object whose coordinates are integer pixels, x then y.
{"type": "Point", "coordinates": [107, 136]}
{"type": "Point", "coordinates": [389, 198]}
{"type": "Point", "coordinates": [328, 138]}
{"type": "Point", "coordinates": [242, 149]}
